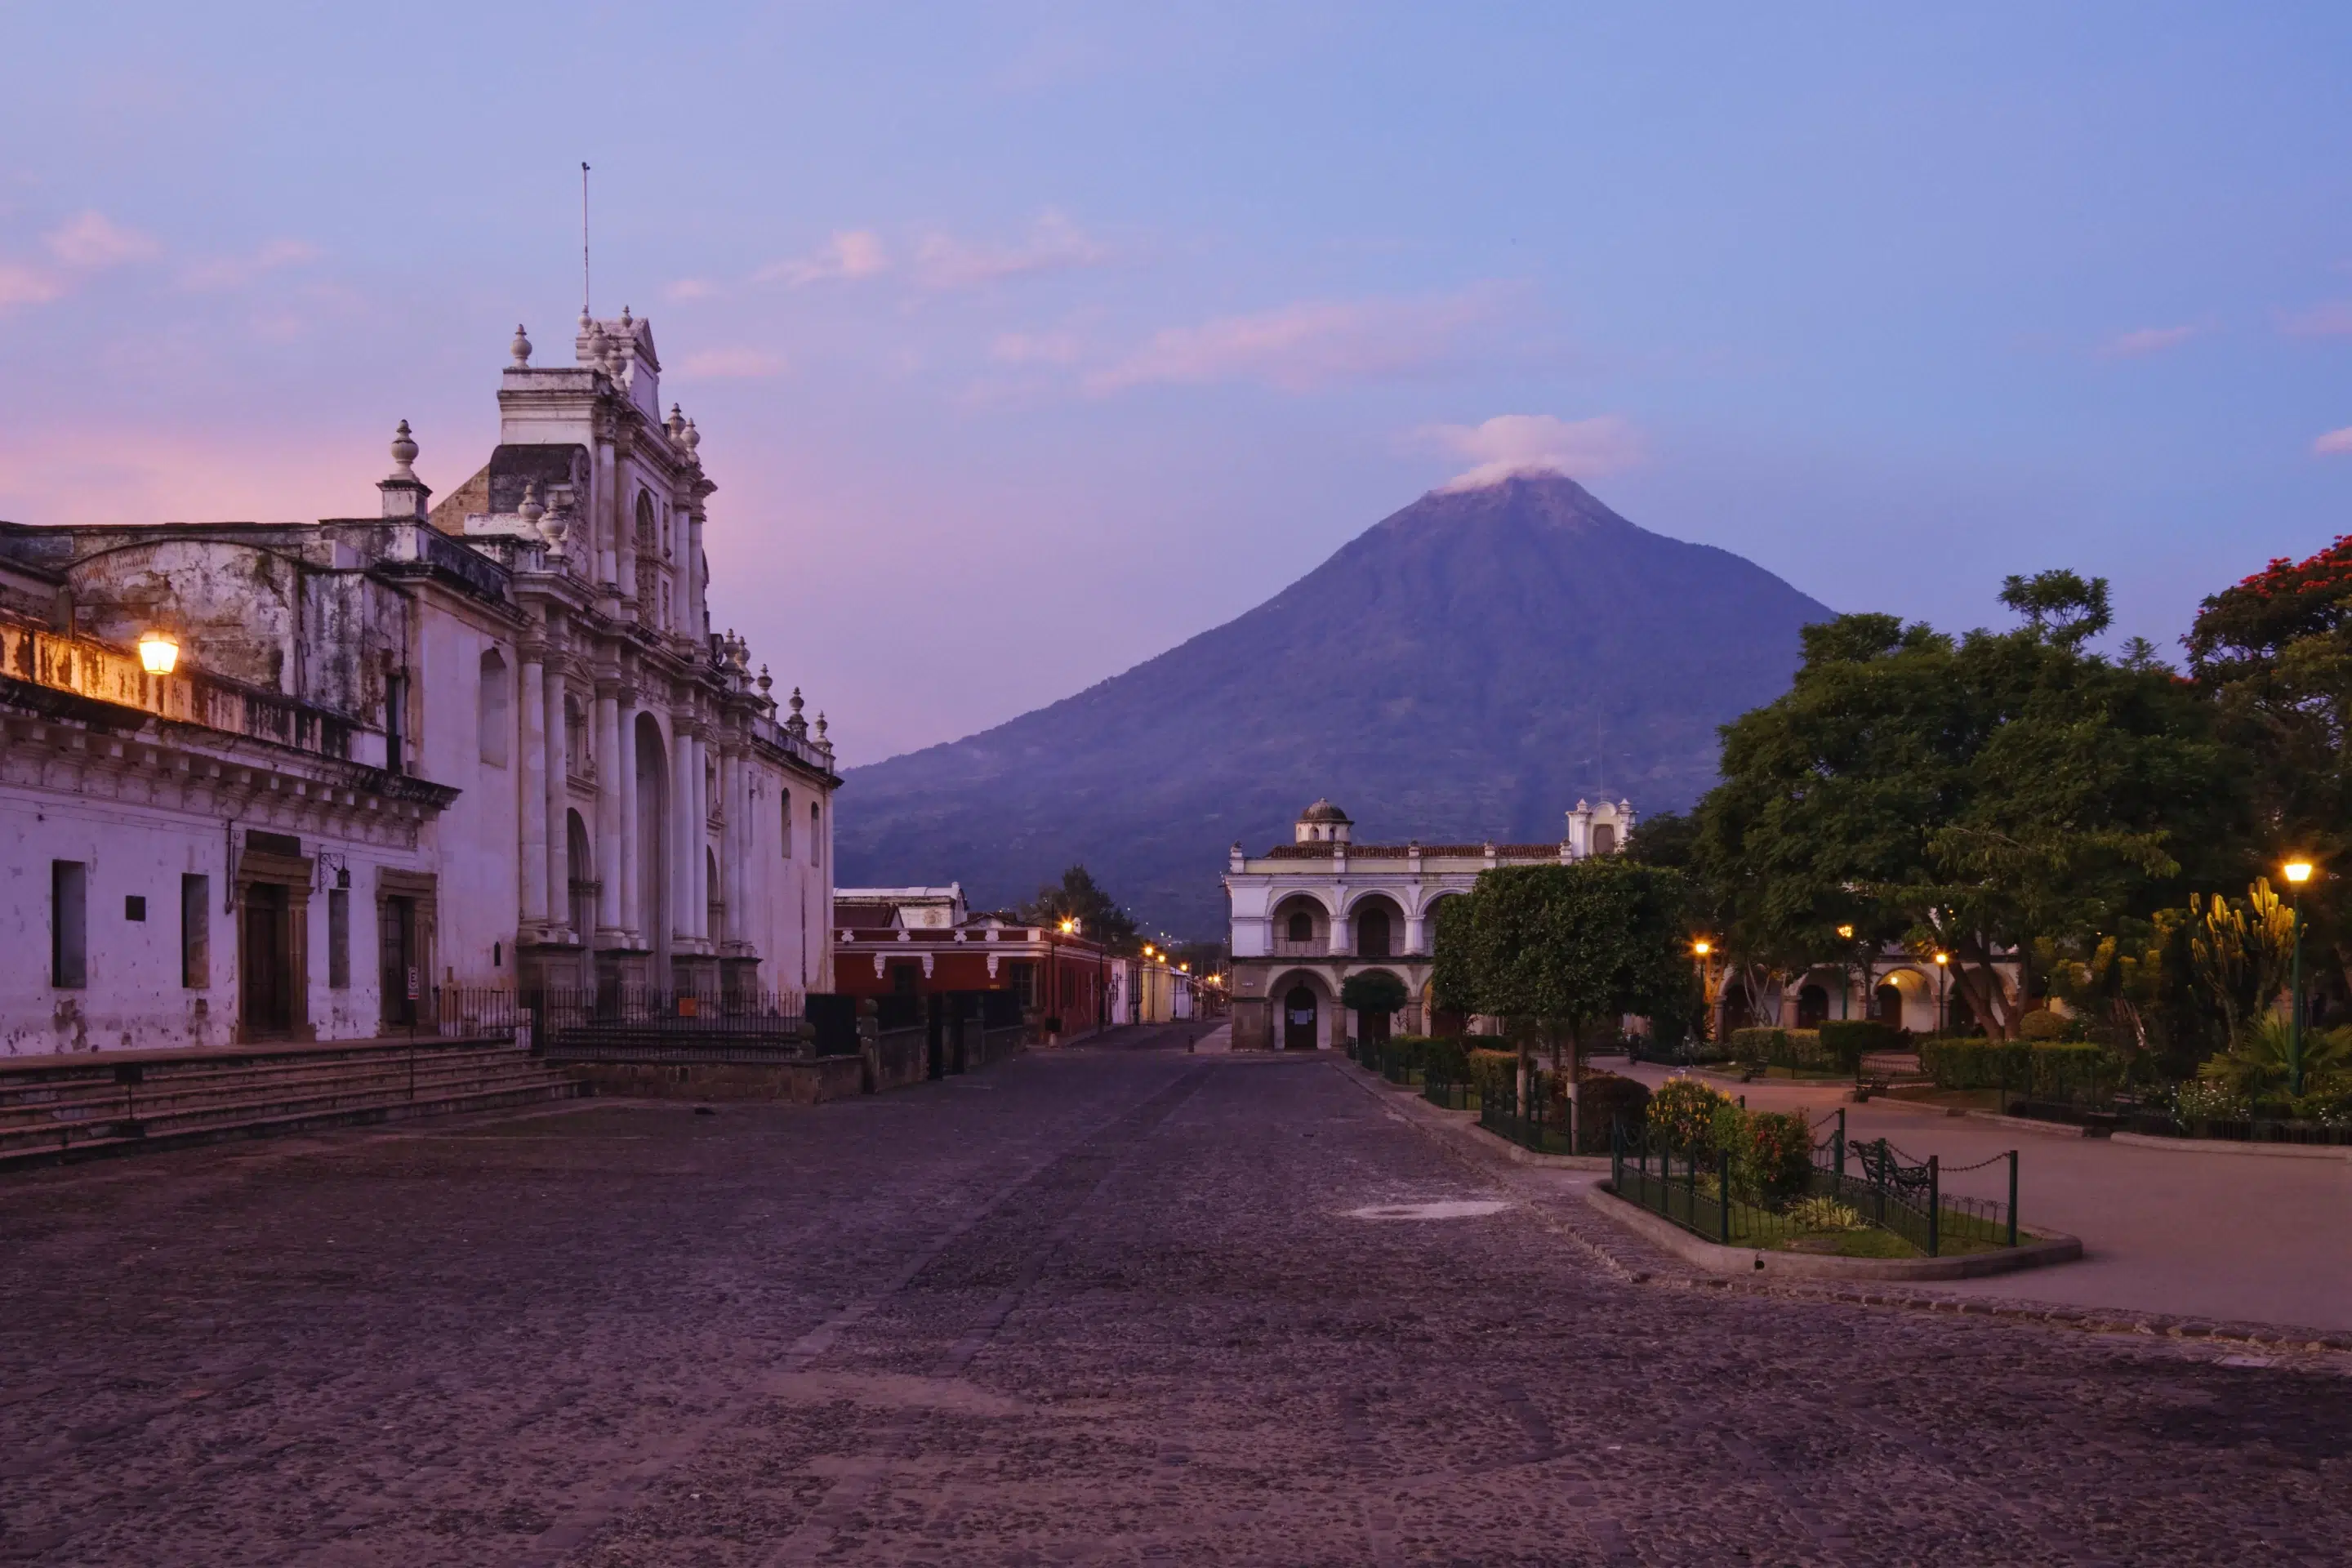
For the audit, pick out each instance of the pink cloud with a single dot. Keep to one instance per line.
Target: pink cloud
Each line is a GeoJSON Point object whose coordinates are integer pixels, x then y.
{"type": "Point", "coordinates": [90, 239]}
{"type": "Point", "coordinates": [1037, 348]}
{"type": "Point", "coordinates": [729, 364]}
{"type": "Point", "coordinates": [2334, 444]}
{"type": "Point", "coordinates": [1054, 244]}
{"type": "Point", "coordinates": [2331, 320]}
{"type": "Point", "coordinates": [21, 285]}
{"type": "Point", "coordinates": [236, 271]}
{"type": "Point", "coordinates": [1511, 444]}
{"type": "Point", "coordinates": [2145, 341]}
{"type": "Point", "coordinates": [849, 254]}
{"type": "Point", "coordinates": [1303, 346]}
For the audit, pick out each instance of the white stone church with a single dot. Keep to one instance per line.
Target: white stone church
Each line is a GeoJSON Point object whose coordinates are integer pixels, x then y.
{"type": "Point", "coordinates": [1309, 913]}
{"type": "Point", "coordinates": [263, 781]}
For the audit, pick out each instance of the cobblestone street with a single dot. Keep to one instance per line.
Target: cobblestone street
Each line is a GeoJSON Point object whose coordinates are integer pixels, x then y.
{"type": "Point", "coordinates": [1109, 1305]}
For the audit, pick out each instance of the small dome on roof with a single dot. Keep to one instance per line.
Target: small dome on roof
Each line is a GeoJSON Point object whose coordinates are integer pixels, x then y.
{"type": "Point", "coordinates": [1323, 811]}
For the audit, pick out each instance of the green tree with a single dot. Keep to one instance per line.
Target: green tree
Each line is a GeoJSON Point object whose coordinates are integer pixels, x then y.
{"type": "Point", "coordinates": [2275, 653]}
{"type": "Point", "coordinates": [1557, 951]}
{"type": "Point", "coordinates": [1976, 795]}
{"type": "Point", "coordinates": [1375, 993]}
{"type": "Point", "coordinates": [1077, 897]}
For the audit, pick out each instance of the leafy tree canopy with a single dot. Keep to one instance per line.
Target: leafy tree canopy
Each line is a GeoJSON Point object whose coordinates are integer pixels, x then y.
{"type": "Point", "coordinates": [1077, 897]}
{"type": "Point", "coordinates": [1575, 944]}
{"type": "Point", "coordinates": [1971, 793]}
{"type": "Point", "coordinates": [1374, 990]}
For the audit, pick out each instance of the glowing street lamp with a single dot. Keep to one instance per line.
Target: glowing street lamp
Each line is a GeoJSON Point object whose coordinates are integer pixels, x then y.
{"type": "Point", "coordinates": [2297, 872]}
{"type": "Point", "coordinates": [158, 654]}
{"type": "Point", "coordinates": [1943, 967]}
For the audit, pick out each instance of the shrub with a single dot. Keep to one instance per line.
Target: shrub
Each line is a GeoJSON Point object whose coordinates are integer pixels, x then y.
{"type": "Point", "coordinates": [1605, 1100]}
{"type": "Point", "coordinates": [2209, 1100]}
{"type": "Point", "coordinates": [1779, 1048]}
{"type": "Point", "coordinates": [1824, 1214]}
{"type": "Point", "coordinates": [1683, 1112]}
{"type": "Point", "coordinates": [1847, 1041]}
{"type": "Point", "coordinates": [2040, 1070]}
{"type": "Point", "coordinates": [1495, 1074]}
{"type": "Point", "coordinates": [1775, 1159]}
{"type": "Point", "coordinates": [2041, 1024]}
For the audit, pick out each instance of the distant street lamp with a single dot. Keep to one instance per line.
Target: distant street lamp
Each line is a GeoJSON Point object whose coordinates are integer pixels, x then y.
{"type": "Point", "coordinates": [1845, 975]}
{"type": "Point", "coordinates": [1699, 950]}
{"type": "Point", "coordinates": [1943, 967]}
{"type": "Point", "coordinates": [158, 653]}
{"type": "Point", "coordinates": [2298, 872]}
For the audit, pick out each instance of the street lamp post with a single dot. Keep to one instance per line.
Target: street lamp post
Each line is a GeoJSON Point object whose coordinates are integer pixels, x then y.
{"type": "Point", "coordinates": [2298, 872]}
{"type": "Point", "coordinates": [1845, 975]}
{"type": "Point", "coordinates": [1943, 967]}
{"type": "Point", "coordinates": [1699, 950]}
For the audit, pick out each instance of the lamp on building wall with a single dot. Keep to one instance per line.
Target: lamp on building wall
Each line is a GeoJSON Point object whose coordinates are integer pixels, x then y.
{"type": "Point", "coordinates": [159, 654]}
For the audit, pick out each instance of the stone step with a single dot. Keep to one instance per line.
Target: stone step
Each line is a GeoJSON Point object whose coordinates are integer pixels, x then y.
{"type": "Point", "coordinates": [53, 1102]}
{"type": "Point", "coordinates": [539, 1090]}
{"type": "Point", "coordinates": [264, 1100]}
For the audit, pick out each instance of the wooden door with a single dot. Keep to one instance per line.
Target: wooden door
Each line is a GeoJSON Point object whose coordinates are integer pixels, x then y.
{"type": "Point", "coordinates": [265, 965]}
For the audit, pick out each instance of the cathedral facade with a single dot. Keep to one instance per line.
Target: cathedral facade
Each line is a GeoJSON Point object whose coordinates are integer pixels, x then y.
{"type": "Point", "coordinates": [294, 781]}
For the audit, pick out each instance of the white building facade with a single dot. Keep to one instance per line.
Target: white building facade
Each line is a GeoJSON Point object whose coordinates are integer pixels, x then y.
{"type": "Point", "coordinates": [491, 744]}
{"type": "Point", "coordinates": [1309, 913]}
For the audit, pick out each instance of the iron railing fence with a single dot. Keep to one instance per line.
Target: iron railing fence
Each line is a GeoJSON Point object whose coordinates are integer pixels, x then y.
{"type": "Point", "coordinates": [470, 1012]}
{"type": "Point", "coordinates": [602, 1022]}
{"type": "Point", "coordinates": [1698, 1190]}
{"type": "Point", "coordinates": [1453, 1094]}
{"type": "Point", "coordinates": [1544, 1125]}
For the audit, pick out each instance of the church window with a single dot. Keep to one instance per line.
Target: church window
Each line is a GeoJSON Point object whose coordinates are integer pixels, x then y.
{"type": "Point", "coordinates": [491, 701]}
{"type": "Point", "coordinates": [787, 834]}
{"type": "Point", "coordinates": [68, 924]}
{"type": "Point", "coordinates": [1604, 839]}
{"type": "Point", "coordinates": [816, 835]}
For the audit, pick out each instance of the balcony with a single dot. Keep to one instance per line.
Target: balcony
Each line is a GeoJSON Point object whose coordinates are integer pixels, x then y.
{"type": "Point", "coordinates": [1316, 949]}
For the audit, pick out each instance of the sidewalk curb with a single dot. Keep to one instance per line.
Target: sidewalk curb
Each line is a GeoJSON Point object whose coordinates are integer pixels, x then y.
{"type": "Point", "coordinates": [2231, 1146]}
{"type": "Point", "coordinates": [1462, 1125]}
{"type": "Point", "coordinates": [1743, 1261]}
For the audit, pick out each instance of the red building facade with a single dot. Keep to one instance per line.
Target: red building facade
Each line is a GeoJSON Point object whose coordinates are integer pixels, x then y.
{"type": "Point", "coordinates": [1061, 978]}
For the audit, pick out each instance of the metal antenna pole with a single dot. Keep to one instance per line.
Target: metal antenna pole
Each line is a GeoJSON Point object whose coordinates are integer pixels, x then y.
{"type": "Point", "coordinates": [583, 239]}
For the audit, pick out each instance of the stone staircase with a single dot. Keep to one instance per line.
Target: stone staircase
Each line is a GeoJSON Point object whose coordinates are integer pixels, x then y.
{"type": "Point", "coordinates": [54, 1109]}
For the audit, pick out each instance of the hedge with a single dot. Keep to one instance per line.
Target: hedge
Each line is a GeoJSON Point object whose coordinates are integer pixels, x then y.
{"type": "Point", "coordinates": [1495, 1074]}
{"type": "Point", "coordinates": [1605, 1099]}
{"type": "Point", "coordinates": [1792, 1048]}
{"type": "Point", "coordinates": [2037, 1068]}
{"type": "Point", "coordinates": [1847, 1041]}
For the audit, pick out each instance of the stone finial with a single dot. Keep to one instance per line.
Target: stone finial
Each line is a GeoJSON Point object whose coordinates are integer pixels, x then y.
{"type": "Point", "coordinates": [676, 425]}
{"type": "Point", "coordinates": [521, 348]}
{"type": "Point", "coordinates": [765, 683]}
{"type": "Point", "coordinates": [532, 511]}
{"type": "Point", "coordinates": [597, 350]}
{"type": "Point", "coordinates": [555, 528]}
{"type": "Point", "coordinates": [822, 743]}
{"type": "Point", "coordinates": [796, 725]}
{"type": "Point", "coordinates": [693, 437]}
{"type": "Point", "coordinates": [403, 453]}
{"type": "Point", "coordinates": [625, 319]}
{"type": "Point", "coordinates": [403, 493]}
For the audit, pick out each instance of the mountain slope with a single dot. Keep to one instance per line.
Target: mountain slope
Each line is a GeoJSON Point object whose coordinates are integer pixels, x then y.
{"type": "Point", "coordinates": [1464, 669]}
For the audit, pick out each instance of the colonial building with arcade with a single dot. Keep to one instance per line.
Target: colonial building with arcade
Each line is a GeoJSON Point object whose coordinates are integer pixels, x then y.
{"type": "Point", "coordinates": [1309, 913]}
{"type": "Point", "coordinates": [284, 780]}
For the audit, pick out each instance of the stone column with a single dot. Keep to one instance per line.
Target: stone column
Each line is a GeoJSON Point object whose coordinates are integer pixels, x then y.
{"type": "Point", "coordinates": [532, 757]}
{"type": "Point", "coordinates": [1416, 933]}
{"type": "Point", "coordinates": [609, 789]}
{"type": "Point", "coordinates": [624, 760]}
{"type": "Point", "coordinates": [624, 545]}
{"type": "Point", "coordinates": [558, 799]}
{"type": "Point", "coordinates": [602, 514]}
{"type": "Point", "coordinates": [685, 846]}
{"type": "Point", "coordinates": [697, 614]}
{"type": "Point", "coordinates": [699, 869]}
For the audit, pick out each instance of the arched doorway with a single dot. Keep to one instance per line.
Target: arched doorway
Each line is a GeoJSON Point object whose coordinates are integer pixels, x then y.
{"type": "Point", "coordinates": [1301, 929]}
{"type": "Point", "coordinates": [1379, 927]}
{"type": "Point", "coordinates": [1299, 1012]}
{"type": "Point", "coordinates": [580, 877]}
{"type": "Point", "coordinates": [652, 914]}
{"type": "Point", "coordinates": [1812, 1006]}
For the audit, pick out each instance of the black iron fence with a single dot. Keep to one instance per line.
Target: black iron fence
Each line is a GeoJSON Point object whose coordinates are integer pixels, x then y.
{"type": "Point", "coordinates": [640, 1023]}
{"type": "Point", "coordinates": [1851, 1183]}
{"type": "Point", "coordinates": [468, 1012]}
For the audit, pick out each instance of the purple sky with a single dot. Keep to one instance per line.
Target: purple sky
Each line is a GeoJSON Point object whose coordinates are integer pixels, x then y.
{"type": "Point", "coordinates": [1027, 341]}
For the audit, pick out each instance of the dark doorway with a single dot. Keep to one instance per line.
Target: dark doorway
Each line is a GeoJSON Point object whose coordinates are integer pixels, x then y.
{"type": "Point", "coordinates": [265, 960]}
{"type": "Point", "coordinates": [1299, 1020]}
{"type": "Point", "coordinates": [1886, 1003]}
{"type": "Point", "coordinates": [1812, 1007]}
{"type": "Point", "coordinates": [1372, 933]}
{"type": "Point", "coordinates": [397, 942]}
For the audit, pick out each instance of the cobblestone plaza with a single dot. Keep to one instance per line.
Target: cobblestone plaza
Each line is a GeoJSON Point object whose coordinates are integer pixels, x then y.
{"type": "Point", "coordinates": [1112, 1305]}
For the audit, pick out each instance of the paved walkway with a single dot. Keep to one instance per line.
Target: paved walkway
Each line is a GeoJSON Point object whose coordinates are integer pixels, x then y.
{"type": "Point", "coordinates": [2258, 1239]}
{"type": "Point", "coordinates": [1116, 1303]}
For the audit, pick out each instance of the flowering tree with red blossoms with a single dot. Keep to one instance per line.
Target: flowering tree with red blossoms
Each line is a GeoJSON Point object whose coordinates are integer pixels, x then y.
{"type": "Point", "coordinates": [2275, 653]}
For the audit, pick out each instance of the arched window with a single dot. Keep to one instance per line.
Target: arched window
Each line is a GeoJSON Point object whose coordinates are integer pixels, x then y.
{"type": "Point", "coordinates": [787, 834]}
{"type": "Point", "coordinates": [652, 602]}
{"type": "Point", "coordinates": [575, 735]}
{"type": "Point", "coordinates": [580, 873]}
{"type": "Point", "coordinates": [1302, 926]}
{"type": "Point", "coordinates": [491, 705]}
{"type": "Point", "coordinates": [1604, 838]}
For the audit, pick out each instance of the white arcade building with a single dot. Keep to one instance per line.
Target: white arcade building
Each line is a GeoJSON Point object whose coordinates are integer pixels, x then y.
{"type": "Point", "coordinates": [1309, 913]}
